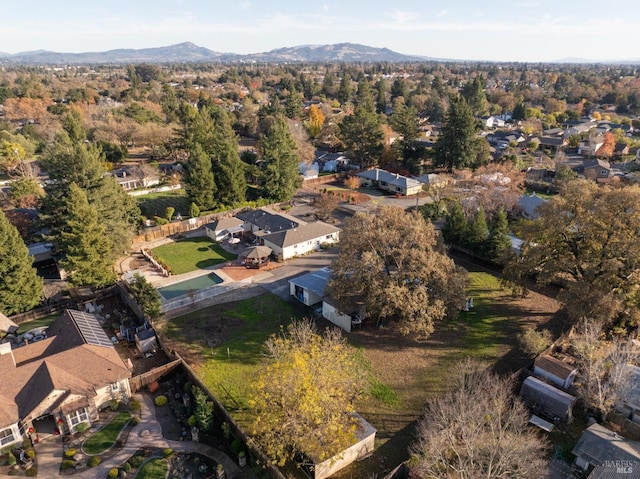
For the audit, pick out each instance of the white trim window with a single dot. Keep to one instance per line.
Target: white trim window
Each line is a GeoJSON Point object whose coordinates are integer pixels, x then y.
{"type": "Point", "coordinates": [115, 387]}
{"type": "Point", "coordinates": [78, 416]}
{"type": "Point", "coordinates": [7, 436]}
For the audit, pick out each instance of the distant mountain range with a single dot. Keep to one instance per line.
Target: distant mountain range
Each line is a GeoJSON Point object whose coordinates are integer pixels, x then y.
{"type": "Point", "coordinates": [189, 52]}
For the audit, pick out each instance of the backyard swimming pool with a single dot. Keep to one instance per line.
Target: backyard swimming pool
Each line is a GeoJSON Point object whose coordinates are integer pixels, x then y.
{"type": "Point", "coordinates": [184, 287]}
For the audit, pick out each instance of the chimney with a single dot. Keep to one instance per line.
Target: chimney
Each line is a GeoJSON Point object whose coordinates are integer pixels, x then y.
{"type": "Point", "coordinates": [5, 348]}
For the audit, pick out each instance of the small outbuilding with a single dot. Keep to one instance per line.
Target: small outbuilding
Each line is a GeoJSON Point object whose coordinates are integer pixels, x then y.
{"type": "Point", "coordinates": [555, 371]}
{"type": "Point", "coordinates": [146, 340]}
{"type": "Point", "coordinates": [224, 228]}
{"type": "Point", "coordinates": [366, 436]}
{"type": "Point", "coordinates": [546, 400]}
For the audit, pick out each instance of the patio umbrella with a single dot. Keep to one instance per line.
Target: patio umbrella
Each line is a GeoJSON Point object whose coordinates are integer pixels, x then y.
{"type": "Point", "coordinates": [256, 252]}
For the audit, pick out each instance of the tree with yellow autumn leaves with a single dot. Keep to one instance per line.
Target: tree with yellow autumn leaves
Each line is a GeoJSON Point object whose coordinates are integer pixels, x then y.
{"type": "Point", "coordinates": [301, 405]}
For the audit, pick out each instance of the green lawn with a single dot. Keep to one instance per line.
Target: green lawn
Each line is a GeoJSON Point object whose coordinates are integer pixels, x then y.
{"type": "Point", "coordinates": [37, 323]}
{"type": "Point", "coordinates": [227, 369]}
{"type": "Point", "coordinates": [191, 254]}
{"type": "Point", "coordinates": [106, 437]}
{"type": "Point", "coordinates": [153, 469]}
{"type": "Point", "coordinates": [405, 372]}
{"type": "Point", "coordinates": [155, 204]}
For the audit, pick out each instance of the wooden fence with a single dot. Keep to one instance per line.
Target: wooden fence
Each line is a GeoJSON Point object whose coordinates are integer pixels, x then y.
{"type": "Point", "coordinates": [142, 380]}
{"type": "Point", "coordinates": [254, 451]}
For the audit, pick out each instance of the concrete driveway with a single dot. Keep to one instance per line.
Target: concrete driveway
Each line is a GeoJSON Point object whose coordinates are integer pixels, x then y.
{"type": "Point", "coordinates": [277, 281]}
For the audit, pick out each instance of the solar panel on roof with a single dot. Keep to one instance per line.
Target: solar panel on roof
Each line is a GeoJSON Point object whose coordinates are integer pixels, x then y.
{"type": "Point", "coordinates": [90, 329]}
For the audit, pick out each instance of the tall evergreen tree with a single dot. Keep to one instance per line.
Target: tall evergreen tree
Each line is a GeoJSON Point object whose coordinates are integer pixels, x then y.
{"type": "Point", "coordinates": [455, 145]}
{"type": "Point", "coordinates": [67, 162]}
{"type": "Point", "coordinates": [199, 182]}
{"type": "Point", "coordinates": [293, 108]}
{"type": "Point", "coordinates": [344, 91]}
{"type": "Point", "coordinates": [88, 252]}
{"type": "Point", "coordinates": [473, 92]}
{"type": "Point", "coordinates": [281, 178]}
{"type": "Point", "coordinates": [20, 286]}
{"type": "Point", "coordinates": [455, 225]}
{"type": "Point", "coordinates": [361, 133]}
{"type": "Point", "coordinates": [228, 168]}
{"type": "Point", "coordinates": [211, 128]}
{"type": "Point", "coordinates": [478, 232]}
{"type": "Point", "coordinates": [499, 244]}
{"type": "Point", "coordinates": [381, 97]}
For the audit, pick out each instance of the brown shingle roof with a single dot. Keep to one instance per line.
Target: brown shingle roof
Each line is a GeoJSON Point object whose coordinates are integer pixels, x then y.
{"type": "Point", "coordinates": [554, 366]}
{"type": "Point", "coordinates": [63, 363]}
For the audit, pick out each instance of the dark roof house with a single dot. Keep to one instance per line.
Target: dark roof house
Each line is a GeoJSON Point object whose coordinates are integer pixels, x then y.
{"type": "Point", "coordinates": [604, 453]}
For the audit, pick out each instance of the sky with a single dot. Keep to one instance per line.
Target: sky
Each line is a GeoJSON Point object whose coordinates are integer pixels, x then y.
{"type": "Point", "coordinates": [493, 30]}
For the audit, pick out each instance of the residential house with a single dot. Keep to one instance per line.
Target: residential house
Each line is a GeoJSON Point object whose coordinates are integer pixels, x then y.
{"type": "Point", "coordinates": [621, 149]}
{"type": "Point", "coordinates": [552, 142]}
{"type": "Point", "coordinates": [546, 400]}
{"type": "Point", "coordinates": [553, 132]}
{"type": "Point", "coordinates": [309, 289]}
{"type": "Point", "coordinates": [555, 371]}
{"type": "Point", "coordinates": [224, 228]}
{"type": "Point", "coordinates": [602, 453]}
{"type": "Point", "coordinates": [391, 182]}
{"type": "Point", "coordinates": [433, 179]}
{"type": "Point", "coordinates": [493, 122]}
{"type": "Point", "coordinates": [63, 379]}
{"type": "Point", "coordinates": [591, 146]}
{"type": "Point", "coordinates": [577, 127]}
{"type": "Point", "coordinates": [299, 240]}
{"type": "Point", "coordinates": [528, 204]}
{"type": "Point", "coordinates": [267, 220]}
{"type": "Point", "coordinates": [309, 172]}
{"type": "Point", "coordinates": [133, 177]}
{"type": "Point", "coordinates": [502, 139]}
{"type": "Point", "coordinates": [332, 162]}
{"type": "Point", "coordinates": [597, 170]}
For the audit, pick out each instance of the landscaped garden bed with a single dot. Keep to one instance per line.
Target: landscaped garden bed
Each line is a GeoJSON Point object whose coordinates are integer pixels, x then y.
{"type": "Point", "coordinates": [105, 439]}
{"type": "Point", "coordinates": [157, 463]}
{"type": "Point", "coordinates": [19, 460]}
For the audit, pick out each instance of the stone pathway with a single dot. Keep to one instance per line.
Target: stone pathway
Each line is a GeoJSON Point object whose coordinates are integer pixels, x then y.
{"type": "Point", "coordinates": [147, 433]}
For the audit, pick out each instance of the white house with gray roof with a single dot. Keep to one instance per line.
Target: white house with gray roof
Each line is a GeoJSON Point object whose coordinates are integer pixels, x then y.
{"type": "Point", "coordinates": [391, 182]}
{"type": "Point", "coordinates": [300, 240]}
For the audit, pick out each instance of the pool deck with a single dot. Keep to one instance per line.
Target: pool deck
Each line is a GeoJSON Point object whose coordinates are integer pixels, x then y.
{"type": "Point", "coordinates": [229, 271]}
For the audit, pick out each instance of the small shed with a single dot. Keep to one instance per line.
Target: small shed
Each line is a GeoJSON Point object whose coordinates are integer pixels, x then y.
{"type": "Point", "coordinates": [309, 288]}
{"type": "Point", "coordinates": [146, 340]}
{"type": "Point", "coordinates": [546, 400]}
{"type": "Point", "coordinates": [366, 436]}
{"type": "Point", "coordinates": [331, 312]}
{"type": "Point", "coordinates": [555, 371]}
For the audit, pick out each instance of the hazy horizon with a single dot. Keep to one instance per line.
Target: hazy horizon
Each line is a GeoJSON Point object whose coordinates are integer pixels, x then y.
{"type": "Point", "coordinates": [521, 30]}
